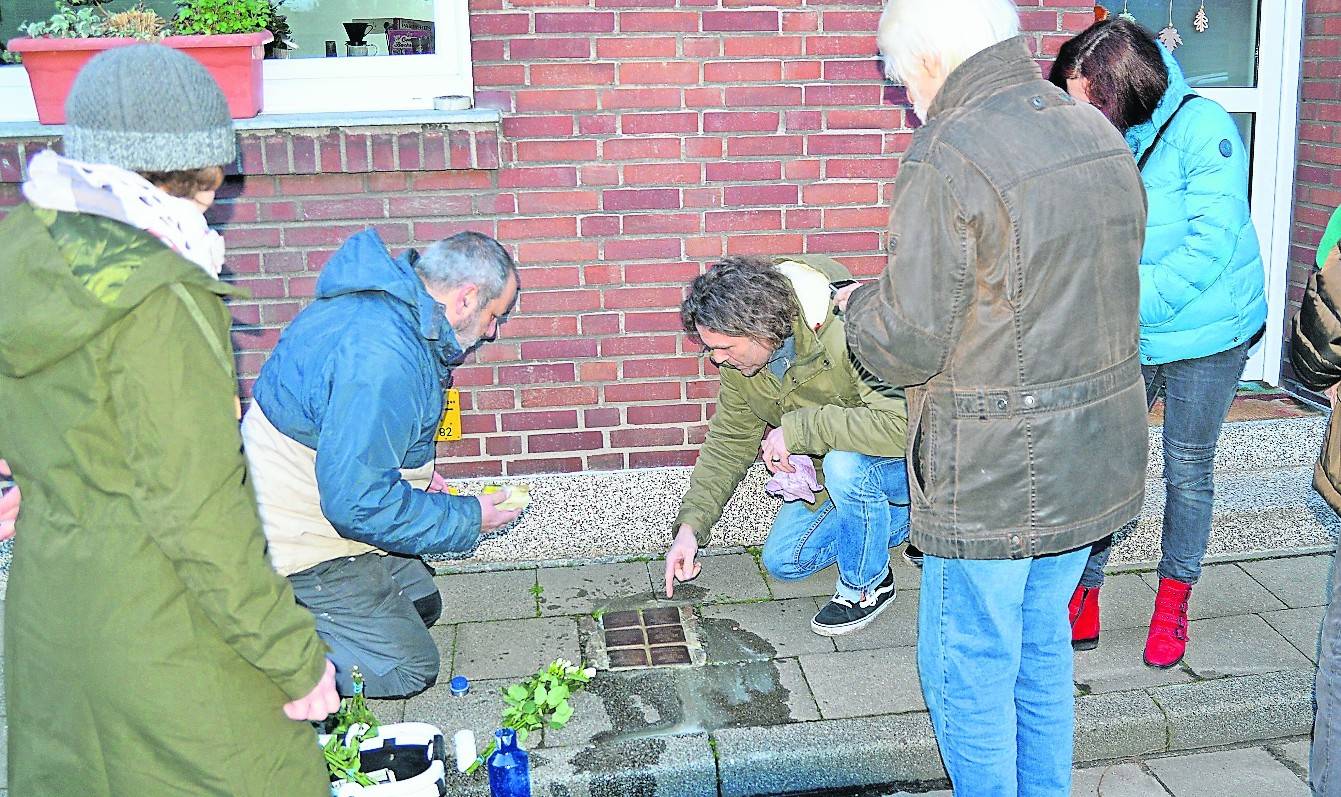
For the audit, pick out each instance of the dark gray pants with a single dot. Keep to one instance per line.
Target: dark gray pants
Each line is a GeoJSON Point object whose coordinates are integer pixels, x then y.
{"type": "Point", "coordinates": [1324, 765]}
{"type": "Point", "coordinates": [373, 612]}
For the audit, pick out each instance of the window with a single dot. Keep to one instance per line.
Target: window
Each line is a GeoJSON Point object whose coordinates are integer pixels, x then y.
{"type": "Point", "coordinates": [414, 51]}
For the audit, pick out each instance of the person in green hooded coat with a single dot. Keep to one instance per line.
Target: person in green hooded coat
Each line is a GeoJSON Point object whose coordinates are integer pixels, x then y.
{"type": "Point", "coordinates": [150, 649]}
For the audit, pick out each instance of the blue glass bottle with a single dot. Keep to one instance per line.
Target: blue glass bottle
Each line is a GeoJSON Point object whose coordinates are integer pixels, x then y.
{"type": "Point", "coordinates": [509, 767]}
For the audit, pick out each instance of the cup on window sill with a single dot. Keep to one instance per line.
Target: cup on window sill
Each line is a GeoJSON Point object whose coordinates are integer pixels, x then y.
{"type": "Point", "coordinates": [360, 49]}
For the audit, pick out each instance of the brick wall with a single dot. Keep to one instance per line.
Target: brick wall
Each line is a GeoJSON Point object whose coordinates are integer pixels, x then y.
{"type": "Point", "coordinates": [1318, 170]}
{"type": "Point", "coordinates": [640, 140]}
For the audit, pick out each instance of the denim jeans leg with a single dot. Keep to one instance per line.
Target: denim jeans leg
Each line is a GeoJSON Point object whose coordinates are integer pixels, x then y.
{"type": "Point", "coordinates": [1044, 706]}
{"type": "Point", "coordinates": [1324, 764]}
{"type": "Point", "coordinates": [1197, 396]}
{"type": "Point", "coordinates": [801, 542]}
{"type": "Point", "coordinates": [870, 496]}
{"type": "Point", "coordinates": [968, 657]}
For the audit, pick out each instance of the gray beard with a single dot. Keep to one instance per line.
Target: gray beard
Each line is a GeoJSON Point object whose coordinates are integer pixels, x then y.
{"type": "Point", "coordinates": [468, 334]}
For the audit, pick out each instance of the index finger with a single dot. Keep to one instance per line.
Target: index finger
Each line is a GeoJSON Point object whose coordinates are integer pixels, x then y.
{"type": "Point", "coordinates": [670, 577]}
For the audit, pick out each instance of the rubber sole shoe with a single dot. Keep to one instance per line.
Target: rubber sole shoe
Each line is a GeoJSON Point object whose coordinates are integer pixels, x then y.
{"type": "Point", "coordinates": [842, 616]}
{"type": "Point", "coordinates": [912, 555]}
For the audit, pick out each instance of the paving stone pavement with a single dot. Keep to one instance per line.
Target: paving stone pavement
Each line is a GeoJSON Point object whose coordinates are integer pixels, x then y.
{"type": "Point", "coordinates": [776, 709]}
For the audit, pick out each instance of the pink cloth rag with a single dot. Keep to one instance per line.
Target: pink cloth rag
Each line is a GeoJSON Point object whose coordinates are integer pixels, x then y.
{"type": "Point", "coordinates": [798, 486]}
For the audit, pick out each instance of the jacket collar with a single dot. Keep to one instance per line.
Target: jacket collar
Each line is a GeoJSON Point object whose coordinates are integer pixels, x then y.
{"type": "Point", "coordinates": [988, 72]}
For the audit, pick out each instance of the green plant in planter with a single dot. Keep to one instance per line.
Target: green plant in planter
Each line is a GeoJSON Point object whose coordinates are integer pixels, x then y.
{"type": "Point", "coordinates": [278, 25]}
{"type": "Point", "coordinates": [540, 701]}
{"type": "Point", "coordinates": [221, 16]}
{"type": "Point", "coordinates": [69, 22]}
{"type": "Point", "coordinates": [136, 22]}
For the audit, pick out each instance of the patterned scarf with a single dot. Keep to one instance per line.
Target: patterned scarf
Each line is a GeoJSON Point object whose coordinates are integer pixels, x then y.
{"type": "Point", "coordinates": [59, 183]}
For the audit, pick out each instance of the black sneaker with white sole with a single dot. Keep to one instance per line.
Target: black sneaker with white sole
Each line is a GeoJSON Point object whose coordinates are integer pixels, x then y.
{"type": "Point", "coordinates": [912, 555]}
{"type": "Point", "coordinates": [842, 616]}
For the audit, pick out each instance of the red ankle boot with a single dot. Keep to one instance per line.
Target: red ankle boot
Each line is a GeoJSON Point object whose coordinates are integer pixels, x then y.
{"type": "Point", "coordinates": [1085, 618]}
{"type": "Point", "coordinates": [1167, 642]}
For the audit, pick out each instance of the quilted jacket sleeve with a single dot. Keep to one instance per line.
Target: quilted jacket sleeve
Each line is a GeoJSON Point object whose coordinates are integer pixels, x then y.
{"type": "Point", "coordinates": [1315, 347]}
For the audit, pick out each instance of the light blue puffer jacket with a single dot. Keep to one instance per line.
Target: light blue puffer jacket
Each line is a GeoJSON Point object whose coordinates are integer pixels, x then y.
{"type": "Point", "coordinates": [1202, 283]}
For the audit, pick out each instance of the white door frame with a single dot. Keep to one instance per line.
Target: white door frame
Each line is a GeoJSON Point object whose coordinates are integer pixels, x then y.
{"type": "Point", "coordinates": [1275, 105]}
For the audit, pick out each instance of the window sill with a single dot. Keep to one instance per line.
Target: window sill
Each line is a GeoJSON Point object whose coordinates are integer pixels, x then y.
{"type": "Point", "coordinates": [365, 141]}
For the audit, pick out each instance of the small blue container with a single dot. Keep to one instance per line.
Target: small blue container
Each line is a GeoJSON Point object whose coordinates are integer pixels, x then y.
{"type": "Point", "coordinates": [509, 767]}
{"type": "Point", "coordinates": [459, 685]}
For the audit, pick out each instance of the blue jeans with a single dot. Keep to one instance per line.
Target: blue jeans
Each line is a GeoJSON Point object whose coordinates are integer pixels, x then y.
{"type": "Point", "coordinates": [866, 513]}
{"type": "Point", "coordinates": [1197, 395]}
{"type": "Point", "coordinates": [994, 656]}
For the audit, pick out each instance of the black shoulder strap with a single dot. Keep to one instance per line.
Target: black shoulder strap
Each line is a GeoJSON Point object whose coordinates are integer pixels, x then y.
{"type": "Point", "coordinates": [1145, 156]}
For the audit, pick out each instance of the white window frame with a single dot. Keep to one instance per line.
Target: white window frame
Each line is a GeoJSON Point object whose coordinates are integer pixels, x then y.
{"type": "Point", "coordinates": [1274, 103]}
{"type": "Point", "coordinates": [334, 85]}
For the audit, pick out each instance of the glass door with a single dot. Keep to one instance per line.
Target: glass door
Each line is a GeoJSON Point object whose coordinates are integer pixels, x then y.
{"type": "Point", "coordinates": [1247, 59]}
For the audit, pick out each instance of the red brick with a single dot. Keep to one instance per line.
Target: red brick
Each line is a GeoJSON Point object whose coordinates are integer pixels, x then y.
{"type": "Point", "coordinates": [861, 168]}
{"type": "Point", "coordinates": [639, 248]}
{"type": "Point", "coordinates": [600, 324]}
{"type": "Point", "coordinates": [556, 100]}
{"type": "Point", "coordinates": [741, 20]}
{"type": "Point", "coordinates": [602, 174]}
{"type": "Point", "coordinates": [598, 74]}
{"type": "Point", "coordinates": [649, 73]}
{"type": "Point", "coordinates": [625, 392]}
{"type": "Point", "coordinates": [661, 223]}
{"type": "Point", "coordinates": [598, 371]}
{"type": "Point", "coordinates": [572, 441]}
{"type": "Point", "coordinates": [642, 297]}
{"type": "Point", "coordinates": [742, 71]}
{"type": "Point", "coordinates": [556, 150]}
{"type": "Point", "coordinates": [762, 96]}
{"type": "Point", "coordinates": [600, 225]}
{"type": "Point", "coordinates": [575, 22]}
{"type": "Point", "coordinates": [641, 149]}
{"type": "Point", "coordinates": [557, 227]}
{"type": "Point", "coordinates": [621, 99]}
{"type": "Point", "coordinates": [598, 462]}
{"type": "Point", "coordinates": [738, 171]}
{"type": "Point", "coordinates": [538, 177]}
{"type": "Point", "coordinates": [796, 71]}
{"type": "Point", "coordinates": [559, 301]}
{"type": "Point", "coordinates": [863, 21]}
{"type": "Point", "coordinates": [745, 146]}
{"type": "Point", "coordinates": [661, 459]}
{"type": "Point", "coordinates": [802, 218]}
{"type": "Point", "coordinates": [500, 75]}
{"type": "Point", "coordinates": [735, 220]}
{"type": "Point", "coordinates": [558, 349]}
{"type": "Point", "coordinates": [640, 199]}
{"type": "Point", "coordinates": [841, 194]}
{"type": "Point", "coordinates": [702, 46]}
{"type": "Point", "coordinates": [661, 367]}
{"type": "Point", "coordinates": [703, 147]}
{"type": "Point", "coordinates": [554, 252]}
{"type": "Point", "coordinates": [502, 446]}
{"type": "Point", "coordinates": [869, 118]}
{"type": "Point", "coordinates": [419, 205]}
{"type": "Point", "coordinates": [500, 24]}
{"type": "Point", "coordinates": [640, 344]}
{"type": "Point", "coordinates": [844, 144]}
{"type": "Point", "coordinates": [800, 21]}
{"type": "Point", "coordinates": [843, 242]}
{"type": "Point", "coordinates": [598, 125]}
{"type": "Point", "coordinates": [840, 45]}
{"type": "Point", "coordinates": [455, 469]}
{"type": "Point", "coordinates": [526, 49]}
{"type": "Point", "coordinates": [662, 173]}
{"type": "Point", "coordinates": [524, 467]}
{"type": "Point", "coordinates": [535, 374]}
{"type": "Point", "coordinates": [663, 413]}
{"type": "Point", "coordinates": [856, 218]}
{"type": "Point", "coordinates": [558, 397]}
{"type": "Point", "coordinates": [658, 21]}
{"type": "Point", "coordinates": [639, 47]}
{"type": "Point", "coordinates": [557, 201]}
{"type": "Point", "coordinates": [746, 46]}
{"type": "Point", "coordinates": [430, 181]}
{"type": "Point", "coordinates": [745, 195]}
{"type": "Point", "coordinates": [765, 244]}
{"type": "Point", "coordinates": [646, 438]}
{"type": "Point", "coordinates": [652, 322]}
{"type": "Point", "coordinates": [721, 122]}
{"type": "Point", "coordinates": [642, 123]}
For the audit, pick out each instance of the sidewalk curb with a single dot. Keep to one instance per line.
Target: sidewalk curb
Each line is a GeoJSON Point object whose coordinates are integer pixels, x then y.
{"type": "Point", "coordinates": [899, 750]}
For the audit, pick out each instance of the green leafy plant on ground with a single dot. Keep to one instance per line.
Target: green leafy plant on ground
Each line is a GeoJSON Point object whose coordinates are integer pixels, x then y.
{"type": "Point", "coordinates": [342, 750]}
{"type": "Point", "coordinates": [221, 16]}
{"type": "Point", "coordinates": [540, 701]}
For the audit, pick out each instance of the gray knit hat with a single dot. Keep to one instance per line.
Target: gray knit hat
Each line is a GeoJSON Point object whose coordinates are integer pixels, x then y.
{"type": "Point", "coordinates": [148, 108]}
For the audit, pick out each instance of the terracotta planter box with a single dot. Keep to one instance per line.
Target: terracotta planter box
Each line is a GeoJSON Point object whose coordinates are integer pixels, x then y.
{"type": "Point", "coordinates": [234, 59]}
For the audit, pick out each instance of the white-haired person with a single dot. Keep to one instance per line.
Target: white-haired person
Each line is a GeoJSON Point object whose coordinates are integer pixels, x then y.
{"type": "Point", "coordinates": [1008, 311]}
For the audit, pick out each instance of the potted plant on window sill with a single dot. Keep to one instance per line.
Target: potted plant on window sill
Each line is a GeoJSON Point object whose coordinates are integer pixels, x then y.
{"type": "Point", "coordinates": [226, 36]}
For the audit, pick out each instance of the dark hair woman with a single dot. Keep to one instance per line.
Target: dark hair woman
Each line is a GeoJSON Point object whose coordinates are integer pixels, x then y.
{"type": "Point", "coordinates": [1203, 301]}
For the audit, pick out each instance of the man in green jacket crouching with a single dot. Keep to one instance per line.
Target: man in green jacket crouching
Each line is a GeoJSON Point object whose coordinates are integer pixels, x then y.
{"type": "Point", "coordinates": [789, 388]}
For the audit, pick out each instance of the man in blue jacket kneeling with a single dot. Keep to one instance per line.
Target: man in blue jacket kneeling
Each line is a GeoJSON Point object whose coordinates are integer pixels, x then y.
{"type": "Point", "coordinates": [339, 443]}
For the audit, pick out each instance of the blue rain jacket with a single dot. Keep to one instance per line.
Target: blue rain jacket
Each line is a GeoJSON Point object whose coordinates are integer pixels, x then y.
{"type": "Point", "coordinates": [1202, 282]}
{"type": "Point", "coordinates": [358, 376]}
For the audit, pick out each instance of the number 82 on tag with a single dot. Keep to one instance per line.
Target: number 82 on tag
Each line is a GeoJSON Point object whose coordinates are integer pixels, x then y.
{"type": "Point", "coordinates": [449, 427]}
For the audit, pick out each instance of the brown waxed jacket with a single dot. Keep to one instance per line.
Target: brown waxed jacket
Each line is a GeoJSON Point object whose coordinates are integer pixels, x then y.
{"type": "Point", "coordinates": [1315, 353]}
{"type": "Point", "coordinates": [1009, 310]}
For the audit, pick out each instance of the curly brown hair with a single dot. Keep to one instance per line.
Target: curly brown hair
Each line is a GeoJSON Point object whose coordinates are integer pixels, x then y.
{"type": "Point", "coordinates": [741, 297]}
{"type": "Point", "coordinates": [187, 183]}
